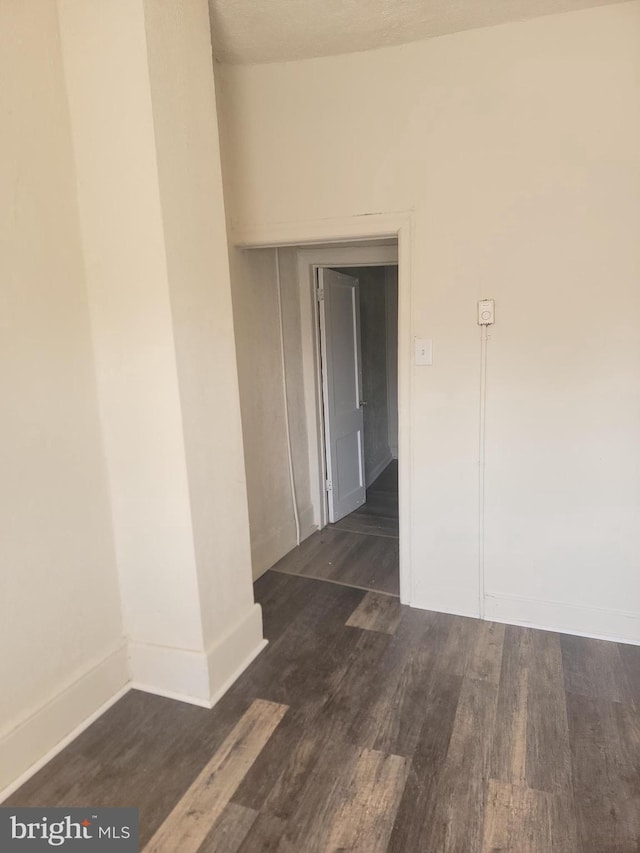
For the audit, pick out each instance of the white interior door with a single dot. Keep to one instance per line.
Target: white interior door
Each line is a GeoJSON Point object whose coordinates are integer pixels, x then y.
{"type": "Point", "coordinates": [342, 388]}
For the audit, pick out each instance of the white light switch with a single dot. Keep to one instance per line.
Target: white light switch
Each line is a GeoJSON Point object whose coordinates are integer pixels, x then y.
{"type": "Point", "coordinates": [424, 351]}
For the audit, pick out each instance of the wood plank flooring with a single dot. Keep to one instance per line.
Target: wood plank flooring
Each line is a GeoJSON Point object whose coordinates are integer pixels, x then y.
{"type": "Point", "coordinates": [368, 726]}
{"type": "Point", "coordinates": [379, 515]}
{"type": "Point", "coordinates": [360, 550]}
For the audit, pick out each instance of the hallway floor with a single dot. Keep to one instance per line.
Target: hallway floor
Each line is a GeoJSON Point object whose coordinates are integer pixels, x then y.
{"type": "Point", "coordinates": [369, 726]}
{"type": "Point", "coordinates": [360, 550]}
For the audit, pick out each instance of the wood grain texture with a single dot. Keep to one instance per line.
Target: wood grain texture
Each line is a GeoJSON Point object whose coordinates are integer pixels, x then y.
{"type": "Point", "coordinates": [449, 735]}
{"type": "Point", "coordinates": [595, 669]}
{"type": "Point", "coordinates": [371, 524]}
{"type": "Point", "coordinates": [459, 815]}
{"type": "Point", "coordinates": [376, 612]}
{"type": "Point", "coordinates": [517, 820]}
{"type": "Point", "coordinates": [354, 559]}
{"type": "Point", "coordinates": [193, 816]}
{"type": "Point", "coordinates": [531, 744]}
{"type": "Point", "coordinates": [415, 826]}
{"type": "Point", "coordinates": [350, 551]}
{"type": "Point", "coordinates": [485, 660]}
{"type": "Point", "coordinates": [229, 831]}
{"type": "Point", "coordinates": [367, 809]}
{"type": "Point", "coordinates": [605, 747]}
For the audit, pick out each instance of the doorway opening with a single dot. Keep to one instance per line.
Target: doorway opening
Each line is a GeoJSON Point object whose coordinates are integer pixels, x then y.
{"type": "Point", "coordinates": [352, 383]}
{"type": "Point", "coordinates": [358, 319]}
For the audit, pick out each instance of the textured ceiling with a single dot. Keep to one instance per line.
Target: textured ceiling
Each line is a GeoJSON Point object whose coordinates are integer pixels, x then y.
{"type": "Point", "coordinates": [253, 31]}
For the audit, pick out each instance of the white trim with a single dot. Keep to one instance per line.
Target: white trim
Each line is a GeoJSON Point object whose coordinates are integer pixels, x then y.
{"type": "Point", "coordinates": [28, 746]}
{"type": "Point", "coordinates": [309, 232]}
{"type": "Point", "coordinates": [219, 693]}
{"type": "Point", "coordinates": [233, 652]}
{"type": "Point", "coordinates": [194, 677]}
{"type": "Point", "coordinates": [564, 618]}
{"type": "Point", "coordinates": [198, 677]}
{"type": "Point", "coordinates": [166, 671]}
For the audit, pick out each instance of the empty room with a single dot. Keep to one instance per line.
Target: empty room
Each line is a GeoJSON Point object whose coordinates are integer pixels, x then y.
{"type": "Point", "coordinates": [321, 425]}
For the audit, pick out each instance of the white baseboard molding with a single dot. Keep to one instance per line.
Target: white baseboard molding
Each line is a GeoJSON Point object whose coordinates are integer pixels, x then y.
{"type": "Point", "coordinates": [199, 678]}
{"type": "Point", "coordinates": [173, 673]}
{"type": "Point", "coordinates": [234, 651]}
{"type": "Point", "coordinates": [580, 620]}
{"type": "Point", "coordinates": [373, 474]}
{"type": "Point", "coordinates": [33, 742]}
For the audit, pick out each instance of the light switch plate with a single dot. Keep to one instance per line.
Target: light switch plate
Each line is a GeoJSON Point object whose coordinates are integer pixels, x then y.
{"type": "Point", "coordinates": [424, 351]}
{"type": "Point", "coordinates": [486, 312]}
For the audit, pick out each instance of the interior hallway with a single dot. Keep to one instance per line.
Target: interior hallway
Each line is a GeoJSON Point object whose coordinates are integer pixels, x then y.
{"type": "Point", "coordinates": [360, 550]}
{"type": "Point", "coordinates": [366, 725]}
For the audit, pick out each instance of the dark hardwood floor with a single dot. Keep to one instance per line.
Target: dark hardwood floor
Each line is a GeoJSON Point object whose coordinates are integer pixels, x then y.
{"type": "Point", "coordinates": [360, 550]}
{"type": "Point", "coordinates": [368, 726]}
{"type": "Point", "coordinates": [379, 515]}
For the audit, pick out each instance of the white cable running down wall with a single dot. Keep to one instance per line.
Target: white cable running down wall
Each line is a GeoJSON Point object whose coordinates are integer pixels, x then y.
{"type": "Point", "coordinates": [481, 466]}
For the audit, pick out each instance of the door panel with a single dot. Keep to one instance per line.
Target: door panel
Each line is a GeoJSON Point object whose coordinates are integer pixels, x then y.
{"type": "Point", "coordinates": [342, 388]}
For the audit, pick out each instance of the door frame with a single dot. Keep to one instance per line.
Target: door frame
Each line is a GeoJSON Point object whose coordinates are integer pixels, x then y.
{"type": "Point", "coordinates": [309, 261]}
{"type": "Point", "coordinates": [326, 356]}
{"type": "Point", "coordinates": [322, 243]}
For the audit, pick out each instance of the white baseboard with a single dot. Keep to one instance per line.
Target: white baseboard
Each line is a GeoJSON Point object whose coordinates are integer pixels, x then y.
{"type": "Point", "coordinates": [199, 678]}
{"type": "Point", "coordinates": [174, 673]}
{"type": "Point", "coordinates": [577, 619]}
{"type": "Point", "coordinates": [234, 651]}
{"type": "Point", "coordinates": [33, 742]}
{"type": "Point", "coordinates": [373, 474]}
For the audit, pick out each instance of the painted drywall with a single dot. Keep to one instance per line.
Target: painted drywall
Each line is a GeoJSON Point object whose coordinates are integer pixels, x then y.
{"type": "Point", "coordinates": [292, 321]}
{"type": "Point", "coordinates": [193, 217]}
{"type": "Point", "coordinates": [140, 89]}
{"type": "Point", "coordinates": [121, 220]}
{"type": "Point", "coordinates": [60, 625]}
{"type": "Point", "coordinates": [373, 349]}
{"type": "Point", "coordinates": [517, 150]}
{"type": "Point", "coordinates": [259, 357]}
{"type": "Point", "coordinates": [263, 322]}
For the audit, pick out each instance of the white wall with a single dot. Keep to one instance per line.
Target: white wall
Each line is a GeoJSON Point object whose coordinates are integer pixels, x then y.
{"type": "Point", "coordinates": [60, 626]}
{"type": "Point", "coordinates": [517, 148]}
{"type": "Point", "coordinates": [193, 216]}
{"type": "Point", "coordinates": [140, 85]}
{"type": "Point", "coordinates": [259, 346]}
